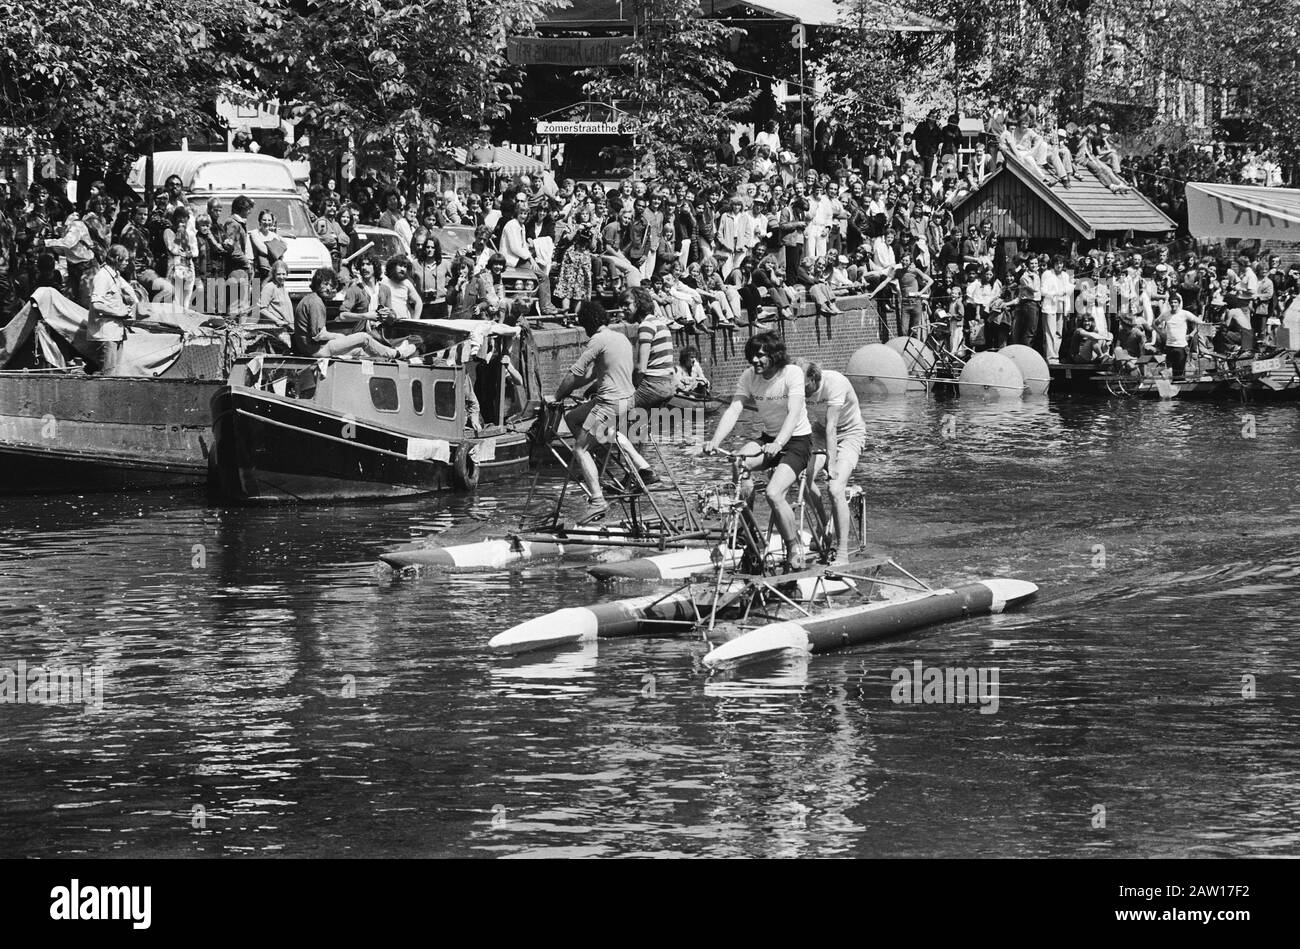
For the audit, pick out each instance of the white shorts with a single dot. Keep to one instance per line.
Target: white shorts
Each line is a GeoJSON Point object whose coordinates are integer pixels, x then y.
{"type": "Point", "coordinates": [848, 448]}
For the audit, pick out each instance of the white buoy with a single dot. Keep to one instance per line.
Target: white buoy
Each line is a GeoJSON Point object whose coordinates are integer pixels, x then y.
{"type": "Point", "coordinates": [918, 357]}
{"type": "Point", "coordinates": [1032, 366]}
{"type": "Point", "coordinates": [991, 376]}
{"type": "Point", "coordinates": [877, 372]}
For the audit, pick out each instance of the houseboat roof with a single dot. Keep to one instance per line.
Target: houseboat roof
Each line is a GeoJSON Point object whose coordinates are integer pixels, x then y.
{"type": "Point", "coordinates": [1087, 207]}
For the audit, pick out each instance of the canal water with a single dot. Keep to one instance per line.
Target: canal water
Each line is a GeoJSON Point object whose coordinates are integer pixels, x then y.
{"type": "Point", "coordinates": [269, 689]}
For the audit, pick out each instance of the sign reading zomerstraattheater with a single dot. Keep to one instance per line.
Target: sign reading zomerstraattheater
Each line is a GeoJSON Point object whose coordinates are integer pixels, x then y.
{"type": "Point", "coordinates": [579, 128]}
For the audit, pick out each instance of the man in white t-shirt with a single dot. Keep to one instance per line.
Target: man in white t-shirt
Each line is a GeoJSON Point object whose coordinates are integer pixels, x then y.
{"type": "Point", "coordinates": [519, 252]}
{"type": "Point", "coordinates": [775, 387]}
{"type": "Point", "coordinates": [1176, 327]}
{"type": "Point", "coordinates": [770, 136]}
{"type": "Point", "coordinates": [821, 215]}
{"type": "Point", "coordinates": [838, 428]}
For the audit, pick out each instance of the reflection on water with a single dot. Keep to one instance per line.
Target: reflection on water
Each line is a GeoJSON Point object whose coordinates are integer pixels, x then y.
{"type": "Point", "coordinates": [270, 689]}
{"type": "Point", "coordinates": [776, 677]}
{"type": "Point", "coordinates": [549, 673]}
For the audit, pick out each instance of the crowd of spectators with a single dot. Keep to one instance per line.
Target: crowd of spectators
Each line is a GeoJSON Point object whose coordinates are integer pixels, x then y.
{"type": "Point", "coordinates": [746, 239]}
{"type": "Point", "coordinates": [1161, 173]}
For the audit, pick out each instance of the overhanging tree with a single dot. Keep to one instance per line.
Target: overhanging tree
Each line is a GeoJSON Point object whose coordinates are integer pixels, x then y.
{"type": "Point", "coordinates": [866, 71]}
{"type": "Point", "coordinates": [671, 79]}
{"type": "Point", "coordinates": [99, 81]}
{"type": "Point", "coordinates": [409, 74]}
{"type": "Point", "coordinates": [1247, 50]}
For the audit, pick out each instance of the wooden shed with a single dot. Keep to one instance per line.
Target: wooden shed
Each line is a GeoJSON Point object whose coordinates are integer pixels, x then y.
{"type": "Point", "coordinates": [1024, 209]}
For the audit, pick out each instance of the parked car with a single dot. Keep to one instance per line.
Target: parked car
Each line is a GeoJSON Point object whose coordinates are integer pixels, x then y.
{"type": "Point", "coordinates": [519, 283]}
{"type": "Point", "coordinates": [267, 181]}
{"type": "Point", "coordinates": [387, 244]}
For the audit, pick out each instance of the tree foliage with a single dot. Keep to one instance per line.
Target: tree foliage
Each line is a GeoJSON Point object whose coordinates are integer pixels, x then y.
{"type": "Point", "coordinates": [404, 71]}
{"type": "Point", "coordinates": [1247, 52]}
{"type": "Point", "coordinates": [867, 74]}
{"type": "Point", "coordinates": [1065, 53]}
{"type": "Point", "coordinates": [97, 80]}
{"type": "Point", "coordinates": [671, 79]}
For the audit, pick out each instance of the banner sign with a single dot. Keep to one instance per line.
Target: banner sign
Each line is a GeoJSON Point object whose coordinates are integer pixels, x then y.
{"type": "Point", "coordinates": [579, 128]}
{"type": "Point", "coordinates": [1242, 211]}
{"type": "Point", "coordinates": [578, 52]}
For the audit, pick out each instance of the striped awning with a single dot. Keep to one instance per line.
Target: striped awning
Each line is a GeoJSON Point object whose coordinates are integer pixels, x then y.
{"type": "Point", "coordinates": [500, 159]}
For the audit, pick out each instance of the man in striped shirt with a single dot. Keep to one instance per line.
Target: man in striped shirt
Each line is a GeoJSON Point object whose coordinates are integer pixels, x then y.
{"type": "Point", "coordinates": [652, 371]}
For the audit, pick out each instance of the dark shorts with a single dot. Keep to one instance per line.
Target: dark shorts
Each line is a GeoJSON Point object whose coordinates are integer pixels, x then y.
{"type": "Point", "coordinates": [795, 455]}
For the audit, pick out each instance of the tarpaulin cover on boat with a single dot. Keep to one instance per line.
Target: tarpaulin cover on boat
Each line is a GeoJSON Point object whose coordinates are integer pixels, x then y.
{"type": "Point", "coordinates": [51, 324]}
{"type": "Point", "coordinates": [1243, 211]}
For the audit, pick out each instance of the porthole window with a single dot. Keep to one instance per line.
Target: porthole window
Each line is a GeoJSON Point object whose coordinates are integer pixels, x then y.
{"type": "Point", "coordinates": [444, 399]}
{"type": "Point", "coordinates": [383, 393]}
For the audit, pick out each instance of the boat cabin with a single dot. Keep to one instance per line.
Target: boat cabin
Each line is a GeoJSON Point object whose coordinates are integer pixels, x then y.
{"type": "Point", "coordinates": [427, 401]}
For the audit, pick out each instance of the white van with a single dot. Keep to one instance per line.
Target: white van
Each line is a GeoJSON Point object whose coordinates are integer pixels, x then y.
{"type": "Point", "coordinates": [267, 181]}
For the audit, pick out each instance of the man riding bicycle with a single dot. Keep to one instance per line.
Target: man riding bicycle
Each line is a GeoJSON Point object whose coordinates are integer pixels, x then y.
{"type": "Point", "coordinates": [839, 430]}
{"type": "Point", "coordinates": [775, 387]}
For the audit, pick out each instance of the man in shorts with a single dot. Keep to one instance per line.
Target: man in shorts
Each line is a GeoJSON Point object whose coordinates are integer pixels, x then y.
{"type": "Point", "coordinates": [653, 372]}
{"type": "Point", "coordinates": [606, 363]}
{"type": "Point", "coordinates": [839, 430]}
{"type": "Point", "coordinates": [775, 387]}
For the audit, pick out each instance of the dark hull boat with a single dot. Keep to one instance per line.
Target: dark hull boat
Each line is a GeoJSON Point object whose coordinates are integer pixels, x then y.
{"type": "Point", "coordinates": [270, 449]}
{"type": "Point", "coordinates": [1273, 380]}
{"type": "Point", "coordinates": [78, 434]}
{"type": "Point", "coordinates": [301, 429]}
{"type": "Point", "coordinates": [148, 425]}
{"type": "Point", "coordinates": [1207, 377]}
{"type": "Point", "coordinates": [1091, 379]}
